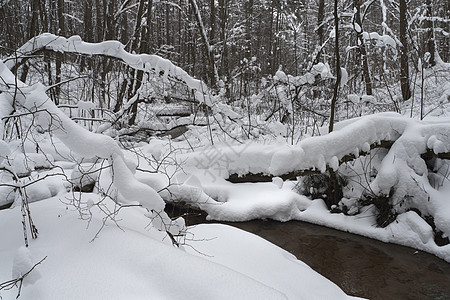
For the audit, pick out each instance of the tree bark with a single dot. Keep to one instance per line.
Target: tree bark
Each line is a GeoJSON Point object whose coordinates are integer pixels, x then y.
{"type": "Point", "coordinates": [148, 39]}
{"type": "Point", "coordinates": [135, 82]}
{"type": "Point", "coordinates": [212, 20]}
{"type": "Point", "coordinates": [88, 27]}
{"type": "Point", "coordinates": [33, 31]}
{"type": "Point", "coordinates": [167, 23]}
{"type": "Point", "coordinates": [430, 43]}
{"type": "Point", "coordinates": [320, 17]}
{"type": "Point", "coordinates": [99, 22]}
{"type": "Point", "coordinates": [362, 46]}
{"type": "Point", "coordinates": [59, 56]}
{"type": "Point", "coordinates": [404, 67]}
{"type": "Point", "coordinates": [208, 50]}
{"type": "Point", "coordinates": [338, 66]}
{"type": "Point", "coordinates": [223, 15]}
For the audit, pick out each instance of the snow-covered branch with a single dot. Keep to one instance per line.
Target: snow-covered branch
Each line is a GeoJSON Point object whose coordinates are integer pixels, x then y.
{"type": "Point", "coordinates": [148, 63]}
{"type": "Point", "coordinates": [78, 139]}
{"type": "Point", "coordinates": [145, 62]}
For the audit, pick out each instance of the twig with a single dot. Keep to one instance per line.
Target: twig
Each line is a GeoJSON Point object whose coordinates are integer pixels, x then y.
{"type": "Point", "coordinates": [8, 285]}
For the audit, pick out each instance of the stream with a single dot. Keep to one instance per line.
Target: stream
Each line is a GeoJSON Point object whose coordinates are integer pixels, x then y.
{"type": "Point", "coordinates": [360, 266]}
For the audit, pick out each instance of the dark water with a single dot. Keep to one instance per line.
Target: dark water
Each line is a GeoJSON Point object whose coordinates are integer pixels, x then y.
{"type": "Point", "coordinates": [360, 266]}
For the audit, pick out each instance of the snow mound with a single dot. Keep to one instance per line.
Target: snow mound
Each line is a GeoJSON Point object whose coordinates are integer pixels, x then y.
{"type": "Point", "coordinates": [133, 262]}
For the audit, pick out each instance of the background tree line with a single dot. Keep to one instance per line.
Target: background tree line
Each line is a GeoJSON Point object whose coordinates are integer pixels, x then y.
{"type": "Point", "coordinates": [232, 44]}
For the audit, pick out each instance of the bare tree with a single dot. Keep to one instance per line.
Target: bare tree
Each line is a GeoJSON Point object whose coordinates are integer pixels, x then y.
{"type": "Point", "coordinates": [429, 36]}
{"type": "Point", "coordinates": [357, 25]}
{"type": "Point", "coordinates": [209, 53]}
{"type": "Point", "coordinates": [404, 66]}
{"type": "Point", "coordinates": [338, 66]}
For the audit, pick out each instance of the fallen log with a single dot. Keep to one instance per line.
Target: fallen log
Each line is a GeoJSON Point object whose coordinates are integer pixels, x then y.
{"type": "Point", "coordinates": [263, 177]}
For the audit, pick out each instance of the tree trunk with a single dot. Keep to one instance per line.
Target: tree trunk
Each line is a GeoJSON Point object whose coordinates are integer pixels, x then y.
{"type": "Point", "coordinates": [404, 67]}
{"type": "Point", "coordinates": [88, 27]}
{"type": "Point", "coordinates": [320, 25]}
{"type": "Point", "coordinates": [43, 15]}
{"type": "Point", "coordinates": [34, 24]}
{"type": "Point", "coordinates": [61, 20]}
{"type": "Point", "coordinates": [249, 28]}
{"type": "Point", "coordinates": [148, 39]}
{"type": "Point", "coordinates": [33, 31]}
{"type": "Point", "coordinates": [167, 23]}
{"type": "Point", "coordinates": [224, 70]}
{"type": "Point", "coordinates": [99, 21]}
{"type": "Point", "coordinates": [431, 47]}
{"type": "Point", "coordinates": [59, 56]}
{"type": "Point", "coordinates": [135, 82]}
{"type": "Point", "coordinates": [208, 50]}
{"type": "Point", "coordinates": [109, 7]}
{"type": "Point", "coordinates": [338, 66]}
{"type": "Point", "coordinates": [362, 47]}
{"type": "Point", "coordinates": [212, 20]}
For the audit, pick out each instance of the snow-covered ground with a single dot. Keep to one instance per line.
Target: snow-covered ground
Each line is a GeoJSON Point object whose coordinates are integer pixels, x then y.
{"type": "Point", "coordinates": [131, 260]}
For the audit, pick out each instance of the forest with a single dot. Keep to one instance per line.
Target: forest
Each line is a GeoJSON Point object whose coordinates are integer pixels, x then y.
{"type": "Point", "coordinates": [125, 122]}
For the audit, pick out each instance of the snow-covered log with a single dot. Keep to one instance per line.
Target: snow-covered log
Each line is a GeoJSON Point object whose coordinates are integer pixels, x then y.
{"type": "Point", "coordinates": [414, 153]}
{"type": "Point", "coordinates": [351, 139]}
{"type": "Point", "coordinates": [315, 153]}
{"type": "Point", "coordinates": [264, 177]}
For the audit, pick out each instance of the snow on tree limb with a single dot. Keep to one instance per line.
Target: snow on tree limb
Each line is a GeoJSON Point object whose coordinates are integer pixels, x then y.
{"type": "Point", "coordinates": [144, 62]}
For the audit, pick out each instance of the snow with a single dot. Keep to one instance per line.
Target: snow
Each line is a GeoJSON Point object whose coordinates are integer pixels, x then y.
{"type": "Point", "coordinates": [344, 77]}
{"type": "Point", "coordinates": [75, 137]}
{"type": "Point", "coordinates": [277, 128]}
{"type": "Point", "coordinates": [4, 149]}
{"type": "Point", "coordinates": [85, 174]}
{"type": "Point", "coordinates": [22, 263]}
{"type": "Point", "coordinates": [357, 27]}
{"type": "Point", "coordinates": [24, 163]}
{"type": "Point", "coordinates": [384, 38]}
{"type": "Point", "coordinates": [280, 76]}
{"type": "Point", "coordinates": [310, 153]}
{"type": "Point", "coordinates": [278, 182]}
{"type": "Point", "coordinates": [114, 49]}
{"type": "Point", "coordinates": [86, 143]}
{"type": "Point", "coordinates": [401, 173]}
{"type": "Point", "coordinates": [149, 63]}
{"type": "Point", "coordinates": [130, 188]}
{"type": "Point", "coordinates": [86, 105]}
{"type": "Point", "coordinates": [134, 261]}
{"type": "Point", "coordinates": [134, 252]}
{"type": "Point", "coordinates": [253, 200]}
{"type": "Point", "coordinates": [292, 280]}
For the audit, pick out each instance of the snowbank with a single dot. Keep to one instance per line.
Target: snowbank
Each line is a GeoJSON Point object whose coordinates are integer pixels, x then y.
{"type": "Point", "coordinates": [132, 262]}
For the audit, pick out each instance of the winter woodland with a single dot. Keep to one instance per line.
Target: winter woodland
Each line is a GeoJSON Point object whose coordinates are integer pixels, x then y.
{"type": "Point", "coordinates": [335, 113]}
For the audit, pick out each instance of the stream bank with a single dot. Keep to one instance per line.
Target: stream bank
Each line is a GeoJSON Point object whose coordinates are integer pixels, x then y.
{"type": "Point", "coordinates": [358, 265]}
